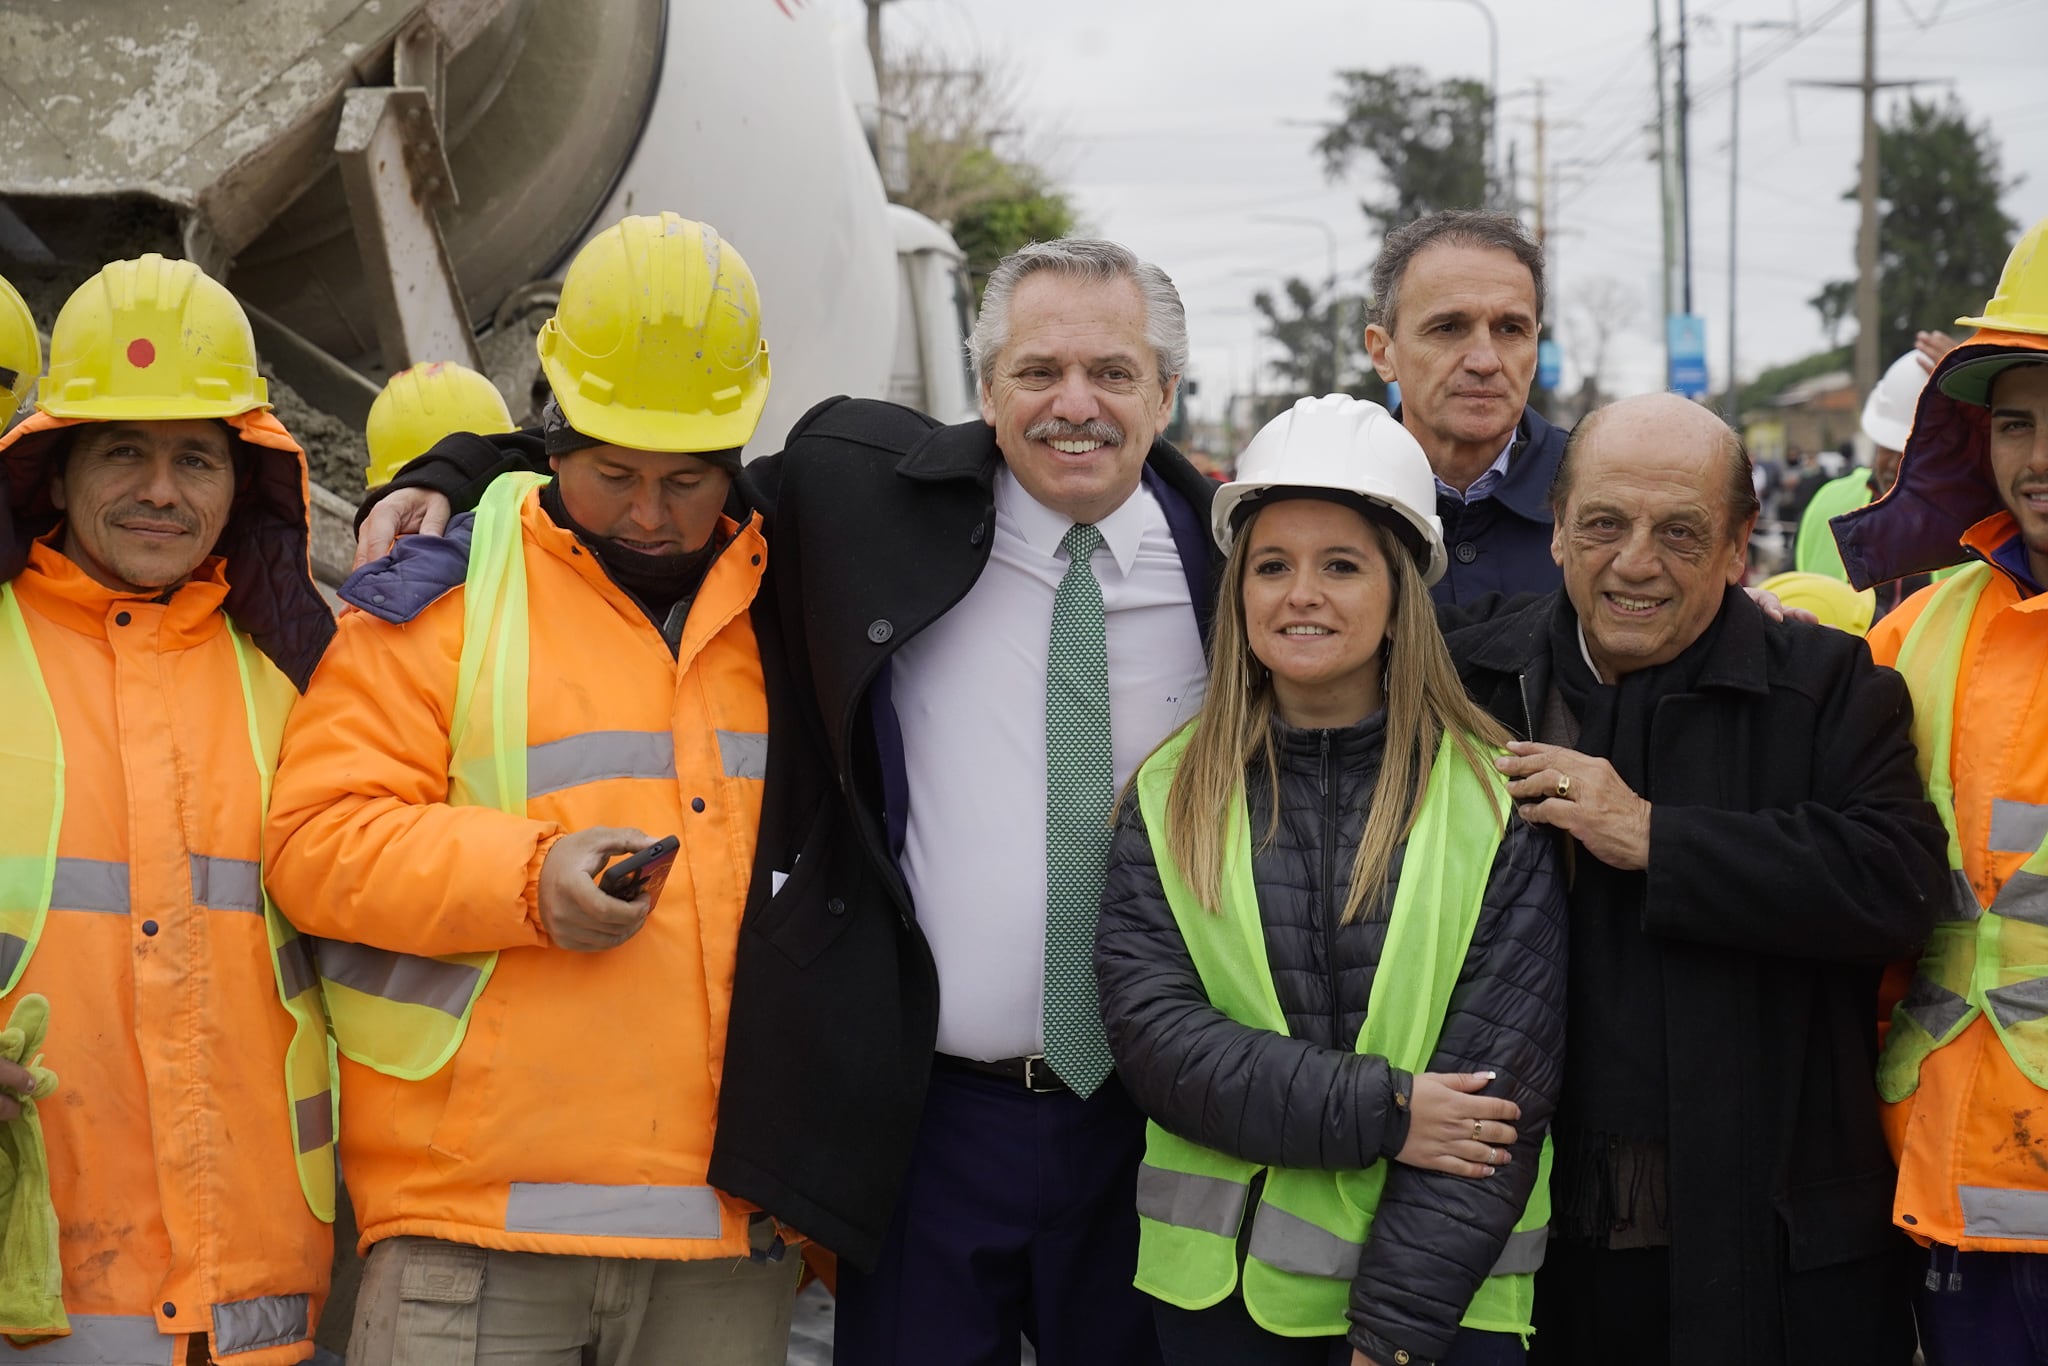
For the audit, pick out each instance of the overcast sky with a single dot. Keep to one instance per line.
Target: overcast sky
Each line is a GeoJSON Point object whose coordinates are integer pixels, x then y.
{"type": "Point", "coordinates": [1177, 125]}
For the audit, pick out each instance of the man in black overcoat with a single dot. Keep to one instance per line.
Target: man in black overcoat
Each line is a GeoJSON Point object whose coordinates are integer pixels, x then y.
{"type": "Point", "coordinates": [1751, 846]}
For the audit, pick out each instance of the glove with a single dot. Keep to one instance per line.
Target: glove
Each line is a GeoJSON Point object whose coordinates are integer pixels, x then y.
{"type": "Point", "coordinates": [31, 1276]}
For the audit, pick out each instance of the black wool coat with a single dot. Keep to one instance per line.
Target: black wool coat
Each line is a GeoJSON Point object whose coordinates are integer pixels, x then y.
{"type": "Point", "coordinates": [1792, 855]}
{"type": "Point", "coordinates": [879, 521]}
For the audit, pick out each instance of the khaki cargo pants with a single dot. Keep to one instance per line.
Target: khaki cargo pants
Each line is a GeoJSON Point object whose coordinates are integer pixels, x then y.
{"type": "Point", "coordinates": [425, 1302]}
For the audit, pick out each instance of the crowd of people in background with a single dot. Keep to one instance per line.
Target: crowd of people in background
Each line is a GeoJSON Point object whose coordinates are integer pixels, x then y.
{"type": "Point", "coordinates": [1411, 903]}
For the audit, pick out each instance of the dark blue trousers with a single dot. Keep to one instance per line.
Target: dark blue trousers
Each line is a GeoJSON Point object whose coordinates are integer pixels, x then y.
{"type": "Point", "coordinates": [1018, 1219]}
{"type": "Point", "coordinates": [1997, 1315]}
{"type": "Point", "coordinates": [1226, 1335]}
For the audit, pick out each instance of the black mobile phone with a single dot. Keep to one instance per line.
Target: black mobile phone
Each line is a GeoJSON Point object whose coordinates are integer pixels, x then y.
{"type": "Point", "coordinates": [645, 871]}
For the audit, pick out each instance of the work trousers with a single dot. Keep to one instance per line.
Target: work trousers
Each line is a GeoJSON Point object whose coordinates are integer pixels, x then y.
{"type": "Point", "coordinates": [425, 1302]}
{"type": "Point", "coordinates": [1987, 1307]}
{"type": "Point", "coordinates": [1018, 1219]}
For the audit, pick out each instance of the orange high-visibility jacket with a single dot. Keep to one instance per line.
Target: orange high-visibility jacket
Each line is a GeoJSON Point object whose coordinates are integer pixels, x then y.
{"type": "Point", "coordinates": [170, 1142]}
{"type": "Point", "coordinates": [576, 1116]}
{"type": "Point", "coordinates": [1977, 1125]}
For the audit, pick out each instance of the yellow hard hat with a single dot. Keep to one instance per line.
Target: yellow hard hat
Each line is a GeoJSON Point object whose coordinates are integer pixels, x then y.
{"type": "Point", "coordinates": [421, 405]}
{"type": "Point", "coordinates": [1834, 602]}
{"type": "Point", "coordinates": [2021, 303]}
{"type": "Point", "coordinates": [21, 350]}
{"type": "Point", "coordinates": [152, 339]}
{"type": "Point", "coordinates": [656, 343]}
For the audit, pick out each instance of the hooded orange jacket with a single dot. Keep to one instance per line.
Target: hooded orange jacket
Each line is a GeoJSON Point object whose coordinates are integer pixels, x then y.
{"type": "Point", "coordinates": [1972, 1141]}
{"type": "Point", "coordinates": [170, 1143]}
{"type": "Point", "coordinates": [577, 1114]}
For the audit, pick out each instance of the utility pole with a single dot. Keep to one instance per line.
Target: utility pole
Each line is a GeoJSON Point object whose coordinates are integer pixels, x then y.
{"type": "Point", "coordinates": [1685, 156]}
{"type": "Point", "coordinates": [1663, 174]}
{"type": "Point", "coordinates": [1867, 305]}
{"type": "Point", "coordinates": [1734, 181]}
{"type": "Point", "coordinates": [1542, 183]}
{"type": "Point", "coordinates": [875, 36]}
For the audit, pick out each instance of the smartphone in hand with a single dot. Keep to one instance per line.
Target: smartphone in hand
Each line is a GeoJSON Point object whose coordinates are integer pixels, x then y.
{"type": "Point", "coordinates": [646, 871]}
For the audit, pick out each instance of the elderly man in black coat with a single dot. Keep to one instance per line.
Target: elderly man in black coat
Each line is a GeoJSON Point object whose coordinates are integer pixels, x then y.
{"type": "Point", "coordinates": [1752, 846]}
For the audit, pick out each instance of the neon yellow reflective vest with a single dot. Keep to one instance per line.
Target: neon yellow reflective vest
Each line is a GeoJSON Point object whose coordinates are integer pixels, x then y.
{"type": "Point", "coordinates": [1310, 1226]}
{"type": "Point", "coordinates": [400, 1013]}
{"type": "Point", "coordinates": [32, 814]}
{"type": "Point", "coordinates": [1983, 960]}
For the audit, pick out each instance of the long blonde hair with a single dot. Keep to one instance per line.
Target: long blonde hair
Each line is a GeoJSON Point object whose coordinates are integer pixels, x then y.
{"type": "Point", "coordinates": [1424, 700]}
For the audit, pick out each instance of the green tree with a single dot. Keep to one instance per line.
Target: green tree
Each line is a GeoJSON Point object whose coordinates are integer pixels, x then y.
{"type": "Point", "coordinates": [1942, 236]}
{"type": "Point", "coordinates": [1320, 336]}
{"type": "Point", "coordinates": [1427, 138]}
{"type": "Point", "coordinates": [953, 111]}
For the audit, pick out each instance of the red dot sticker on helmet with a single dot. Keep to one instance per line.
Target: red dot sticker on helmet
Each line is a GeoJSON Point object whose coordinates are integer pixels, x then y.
{"type": "Point", "coordinates": [142, 353]}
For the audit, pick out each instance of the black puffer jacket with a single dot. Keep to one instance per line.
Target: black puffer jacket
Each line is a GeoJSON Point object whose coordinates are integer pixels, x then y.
{"type": "Point", "coordinates": [1309, 1100]}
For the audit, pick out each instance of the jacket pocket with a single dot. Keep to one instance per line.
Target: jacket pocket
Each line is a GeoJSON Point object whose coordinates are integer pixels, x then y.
{"type": "Point", "coordinates": [440, 1296]}
{"type": "Point", "coordinates": [811, 908]}
{"type": "Point", "coordinates": [471, 1085]}
{"type": "Point", "coordinates": [1843, 1219]}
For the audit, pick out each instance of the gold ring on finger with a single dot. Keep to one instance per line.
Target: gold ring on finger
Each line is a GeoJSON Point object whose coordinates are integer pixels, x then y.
{"type": "Point", "coordinates": [1564, 785]}
{"type": "Point", "coordinates": [1475, 1131]}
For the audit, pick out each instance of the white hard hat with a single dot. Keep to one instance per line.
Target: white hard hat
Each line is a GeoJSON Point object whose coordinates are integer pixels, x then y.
{"type": "Point", "coordinates": [1888, 412]}
{"type": "Point", "coordinates": [1346, 445]}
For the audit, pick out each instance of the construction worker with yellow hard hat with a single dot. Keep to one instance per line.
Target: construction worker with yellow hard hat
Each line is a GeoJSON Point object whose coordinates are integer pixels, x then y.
{"type": "Point", "coordinates": [1964, 1070]}
{"type": "Point", "coordinates": [570, 676]}
{"type": "Point", "coordinates": [424, 403]}
{"type": "Point", "coordinates": [21, 351]}
{"type": "Point", "coordinates": [157, 619]}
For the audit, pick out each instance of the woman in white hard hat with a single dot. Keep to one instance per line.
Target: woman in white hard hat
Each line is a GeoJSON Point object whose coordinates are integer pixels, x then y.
{"type": "Point", "coordinates": [1331, 961]}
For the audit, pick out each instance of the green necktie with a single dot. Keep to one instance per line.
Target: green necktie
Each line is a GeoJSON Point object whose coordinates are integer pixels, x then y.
{"type": "Point", "coordinates": [1079, 794]}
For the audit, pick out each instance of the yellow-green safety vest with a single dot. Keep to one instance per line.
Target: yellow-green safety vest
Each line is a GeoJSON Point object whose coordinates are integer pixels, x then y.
{"type": "Point", "coordinates": [32, 814]}
{"type": "Point", "coordinates": [400, 1013]}
{"type": "Point", "coordinates": [1989, 960]}
{"type": "Point", "coordinates": [1310, 1226]}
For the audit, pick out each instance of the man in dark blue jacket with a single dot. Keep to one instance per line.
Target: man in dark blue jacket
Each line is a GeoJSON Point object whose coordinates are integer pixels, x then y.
{"type": "Point", "coordinates": [1457, 304]}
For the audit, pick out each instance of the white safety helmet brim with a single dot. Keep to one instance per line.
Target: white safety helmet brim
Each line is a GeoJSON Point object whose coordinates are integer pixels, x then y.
{"type": "Point", "coordinates": [1888, 412]}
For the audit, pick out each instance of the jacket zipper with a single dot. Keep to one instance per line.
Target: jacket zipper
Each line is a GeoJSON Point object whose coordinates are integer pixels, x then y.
{"type": "Point", "coordinates": [1330, 831]}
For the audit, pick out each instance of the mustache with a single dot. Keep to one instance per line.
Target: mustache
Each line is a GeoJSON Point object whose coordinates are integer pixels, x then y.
{"type": "Point", "coordinates": [1057, 429]}
{"type": "Point", "coordinates": [142, 512]}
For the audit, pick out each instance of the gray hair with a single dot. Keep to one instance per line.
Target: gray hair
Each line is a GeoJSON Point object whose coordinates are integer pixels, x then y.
{"type": "Point", "coordinates": [1094, 261]}
{"type": "Point", "coordinates": [1455, 228]}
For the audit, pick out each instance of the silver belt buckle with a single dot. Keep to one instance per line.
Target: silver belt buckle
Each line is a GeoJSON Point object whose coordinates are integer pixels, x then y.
{"type": "Point", "coordinates": [1032, 1065]}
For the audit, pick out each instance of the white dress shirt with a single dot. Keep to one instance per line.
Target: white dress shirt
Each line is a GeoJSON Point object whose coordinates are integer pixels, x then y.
{"type": "Point", "coordinates": [970, 693]}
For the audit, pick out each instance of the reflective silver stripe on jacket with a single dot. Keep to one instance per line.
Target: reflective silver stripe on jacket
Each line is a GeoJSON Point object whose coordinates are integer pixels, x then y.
{"type": "Point", "coordinates": [2017, 827]}
{"type": "Point", "coordinates": [1283, 1241]}
{"type": "Point", "coordinates": [1933, 1006]}
{"type": "Point", "coordinates": [2023, 897]}
{"type": "Point", "coordinates": [1996, 1212]}
{"type": "Point", "coordinates": [744, 753]}
{"type": "Point", "coordinates": [89, 884]}
{"type": "Point", "coordinates": [1207, 1204]}
{"type": "Point", "coordinates": [612, 1211]}
{"type": "Point", "coordinates": [107, 1340]}
{"type": "Point", "coordinates": [295, 967]}
{"type": "Point", "coordinates": [2017, 1003]}
{"type": "Point", "coordinates": [227, 884]}
{"type": "Point", "coordinates": [598, 755]}
{"type": "Point", "coordinates": [402, 977]}
{"type": "Point", "coordinates": [315, 1115]}
{"type": "Point", "coordinates": [1966, 907]}
{"type": "Point", "coordinates": [12, 947]}
{"type": "Point", "coordinates": [266, 1321]}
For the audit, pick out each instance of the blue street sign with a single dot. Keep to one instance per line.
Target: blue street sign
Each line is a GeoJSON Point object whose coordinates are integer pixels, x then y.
{"type": "Point", "coordinates": [1685, 336]}
{"type": "Point", "coordinates": [1549, 364]}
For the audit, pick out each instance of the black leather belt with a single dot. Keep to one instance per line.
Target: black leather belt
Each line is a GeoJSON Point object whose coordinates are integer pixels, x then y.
{"type": "Point", "coordinates": [1032, 1073]}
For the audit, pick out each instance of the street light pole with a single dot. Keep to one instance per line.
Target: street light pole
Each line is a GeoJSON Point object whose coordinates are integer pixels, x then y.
{"type": "Point", "coordinates": [1492, 89]}
{"type": "Point", "coordinates": [1336, 321]}
{"type": "Point", "coordinates": [1734, 161]}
